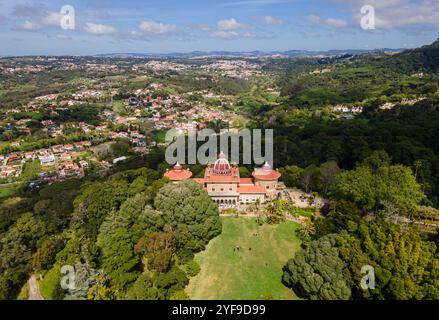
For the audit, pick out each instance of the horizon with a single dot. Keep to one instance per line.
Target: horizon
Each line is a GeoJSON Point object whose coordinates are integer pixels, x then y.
{"type": "Point", "coordinates": [206, 52]}
{"type": "Point", "coordinates": [33, 28]}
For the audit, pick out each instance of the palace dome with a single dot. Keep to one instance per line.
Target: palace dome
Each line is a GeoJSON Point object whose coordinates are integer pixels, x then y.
{"type": "Point", "coordinates": [266, 173]}
{"type": "Point", "coordinates": [177, 173]}
{"type": "Point", "coordinates": [222, 166]}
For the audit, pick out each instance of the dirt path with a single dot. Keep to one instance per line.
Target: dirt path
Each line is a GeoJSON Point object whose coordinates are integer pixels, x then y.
{"type": "Point", "coordinates": [34, 290]}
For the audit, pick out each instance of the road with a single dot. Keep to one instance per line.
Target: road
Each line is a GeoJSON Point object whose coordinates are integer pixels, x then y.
{"type": "Point", "coordinates": [34, 290]}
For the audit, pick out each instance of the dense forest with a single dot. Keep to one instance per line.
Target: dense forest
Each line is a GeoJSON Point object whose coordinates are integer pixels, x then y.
{"type": "Point", "coordinates": [116, 224]}
{"type": "Point", "coordinates": [375, 168]}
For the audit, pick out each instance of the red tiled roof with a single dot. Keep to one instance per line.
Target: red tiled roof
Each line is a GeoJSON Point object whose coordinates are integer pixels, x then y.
{"type": "Point", "coordinates": [199, 180]}
{"type": "Point", "coordinates": [251, 189]}
{"type": "Point", "coordinates": [178, 175]}
{"type": "Point", "coordinates": [272, 175]}
{"type": "Point", "coordinates": [246, 181]}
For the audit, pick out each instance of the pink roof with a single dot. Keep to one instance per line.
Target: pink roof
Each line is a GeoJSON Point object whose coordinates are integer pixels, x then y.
{"type": "Point", "coordinates": [273, 175]}
{"type": "Point", "coordinates": [251, 189]}
{"type": "Point", "coordinates": [178, 175]}
{"type": "Point", "coordinates": [246, 181]}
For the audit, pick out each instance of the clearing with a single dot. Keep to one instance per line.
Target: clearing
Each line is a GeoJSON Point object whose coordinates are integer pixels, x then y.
{"type": "Point", "coordinates": [245, 274]}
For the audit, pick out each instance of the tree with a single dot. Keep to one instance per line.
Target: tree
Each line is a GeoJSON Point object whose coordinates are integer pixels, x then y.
{"type": "Point", "coordinates": [101, 289]}
{"type": "Point", "coordinates": [44, 258]}
{"type": "Point", "coordinates": [406, 266]}
{"type": "Point", "coordinates": [375, 183]}
{"type": "Point", "coordinates": [118, 259]}
{"type": "Point", "coordinates": [328, 171]}
{"type": "Point", "coordinates": [170, 282]}
{"type": "Point", "coordinates": [291, 175]}
{"type": "Point", "coordinates": [317, 272]}
{"type": "Point", "coordinates": [143, 289]}
{"type": "Point", "coordinates": [157, 248]}
{"type": "Point", "coordinates": [128, 217]}
{"type": "Point", "coordinates": [179, 295]}
{"type": "Point", "coordinates": [120, 148]}
{"type": "Point", "coordinates": [5, 288]}
{"type": "Point", "coordinates": [244, 172]}
{"type": "Point", "coordinates": [188, 210]}
{"type": "Point", "coordinates": [306, 230]}
{"type": "Point", "coordinates": [308, 177]}
{"type": "Point", "coordinates": [96, 201]}
{"type": "Point", "coordinates": [192, 268]}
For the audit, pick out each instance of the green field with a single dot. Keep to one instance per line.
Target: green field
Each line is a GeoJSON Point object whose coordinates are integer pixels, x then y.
{"type": "Point", "coordinates": [119, 106]}
{"type": "Point", "coordinates": [9, 189]}
{"type": "Point", "coordinates": [245, 274]}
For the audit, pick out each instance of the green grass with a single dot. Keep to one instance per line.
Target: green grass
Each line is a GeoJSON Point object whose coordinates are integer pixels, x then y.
{"type": "Point", "coordinates": [9, 189]}
{"type": "Point", "coordinates": [244, 274]}
{"type": "Point", "coordinates": [31, 169]}
{"type": "Point", "coordinates": [49, 286]}
{"type": "Point", "coordinates": [24, 292]}
{"type": "Point", "coordinates": [304, 212]}
{"type": "Point", "coordinates": [119, 106]}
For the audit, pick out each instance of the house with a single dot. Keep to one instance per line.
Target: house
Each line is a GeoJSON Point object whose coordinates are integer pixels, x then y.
{"type": "Point", "coordinates": [29, 155]}
{"type": "Point", "coordinates": [65, 157]}
{"type": "Point", "coordinates": [58, 149]}
{"type": "Point", "coordinates": [48, 160]}
{"type": "Point", "coordinates": [68, 147]}
{"type": "Point", "coordinates": [225, 186]}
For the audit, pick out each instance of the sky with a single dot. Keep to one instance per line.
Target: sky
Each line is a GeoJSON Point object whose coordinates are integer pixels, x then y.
{"type": "Point", "coordinates": [163, 26]}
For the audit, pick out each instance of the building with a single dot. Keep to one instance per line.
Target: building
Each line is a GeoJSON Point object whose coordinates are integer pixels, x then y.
{"type": "Point", "coordinates": [224, 185]}
{"type": "Point", "coordinates": [48, 160]}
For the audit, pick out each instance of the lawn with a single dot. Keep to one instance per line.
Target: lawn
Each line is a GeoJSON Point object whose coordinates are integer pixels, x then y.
{"type": "Point", "coordinates": [31, 170]}
{"type": "Point", "coordinates": [119, 106]}
{"type": "Point", "coordinates": [9, 189]}
{"type": "Point", "coordinates": [245, 274]}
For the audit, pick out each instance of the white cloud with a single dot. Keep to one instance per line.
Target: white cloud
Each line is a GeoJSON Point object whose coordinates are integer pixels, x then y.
{"type": "Point", "coordinates": [99, 29]}
{"type": "Point", "coordinates": [29, 26]}
{"type": "Point", "coordinates": [336, 23]}
{"type": "Point", "coordinates": [226, 34]}
{"type": "Point", "coordinates": [330, 22]}
{"type": "Point", "coordinates": [403, 14]}
{"type": "Point", "coordinates": [229, 24]}
{"type": "Point", "coordinates": [270, 20]}
{"type": "Point", "coordinates": [156, 28]}
{"type": "Point", "coordinates": [52, 19]}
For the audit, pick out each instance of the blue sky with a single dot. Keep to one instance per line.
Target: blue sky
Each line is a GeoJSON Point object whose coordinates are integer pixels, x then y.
{"type": "Point", "coordinates": [111, 26]}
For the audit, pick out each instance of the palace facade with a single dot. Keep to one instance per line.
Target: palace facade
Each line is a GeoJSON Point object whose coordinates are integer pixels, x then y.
{"type": "Point", "coordinates": [224, 185]}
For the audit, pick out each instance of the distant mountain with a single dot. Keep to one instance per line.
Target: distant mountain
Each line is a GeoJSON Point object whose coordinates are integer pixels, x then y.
{"type": "Point", "coordinates": [246, 54]}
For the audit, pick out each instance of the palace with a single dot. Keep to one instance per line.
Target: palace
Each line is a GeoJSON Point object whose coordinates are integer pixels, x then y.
{"type": "Point", "coordinates": [224, 185]}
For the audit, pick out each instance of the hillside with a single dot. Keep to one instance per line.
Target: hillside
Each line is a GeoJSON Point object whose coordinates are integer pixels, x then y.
{"type": "Point", "coordinates": [354, 80]}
